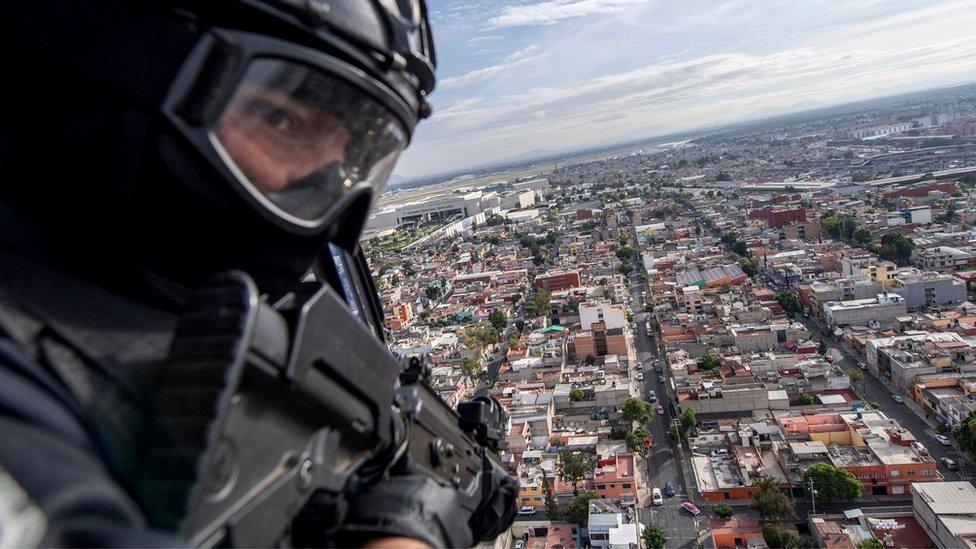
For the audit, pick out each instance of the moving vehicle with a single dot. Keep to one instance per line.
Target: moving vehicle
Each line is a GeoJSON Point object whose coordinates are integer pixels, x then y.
{"type": "Point", "coordinates": [897, 398]}
{"type": "Point", "coordinates": [652, 396]}
{"type": "Point", "coordinates": [526, 511]}
{"type": "Point", "coordinates": [669, 489]}
{"type": "Point", "coordinates": [656, 498]}
{"type": "Point", "coordinates": [862, 365]}
{"type": "Point", "coordinates": [691, 508]}
{"type": "Point", "coordinates": [950, 464]}
{"type": "Point", "coordinates": [943, 440]}
{"type": "Point", "coordinates": [660, 410]}
{"type": "Point", "coordinates": [640, 376]}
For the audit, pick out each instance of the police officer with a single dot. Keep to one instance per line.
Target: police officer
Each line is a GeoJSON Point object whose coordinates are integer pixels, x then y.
{"type": "Point", "coordinates": [144, 146]}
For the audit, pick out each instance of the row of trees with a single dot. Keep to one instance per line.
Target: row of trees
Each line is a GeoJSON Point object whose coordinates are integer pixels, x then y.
{"type": "Point", "coordinates": [538, 304]}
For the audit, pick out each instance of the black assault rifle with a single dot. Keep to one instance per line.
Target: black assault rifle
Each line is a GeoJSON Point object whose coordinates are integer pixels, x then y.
{"type": "Point", "coordinates": [265, 407]}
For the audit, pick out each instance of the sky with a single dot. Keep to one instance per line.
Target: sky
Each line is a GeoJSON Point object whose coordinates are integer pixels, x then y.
{"type": "Point", "coordinates": [523, 76]}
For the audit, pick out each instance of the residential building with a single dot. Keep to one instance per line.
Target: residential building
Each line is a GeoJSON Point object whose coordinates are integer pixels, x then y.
{"type": "Point", "coordinates": [558, 280]}
{"type": "Point", "coordinates": [602, 312]}
{"type": "Point", "coordinates": [947, 512]}
{"type": "Point", "coordinates": [613, 525]}
{"type": "Point", "coordinates": [944, 259]}
{"type": "Point", "coordinates": [925, 289]}
{"type": "Point", "coordinates": [882, 309]}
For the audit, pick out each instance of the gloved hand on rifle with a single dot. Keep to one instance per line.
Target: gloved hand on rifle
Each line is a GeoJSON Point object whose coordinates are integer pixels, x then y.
{"type": "Point", "coordinates": [415, 506]}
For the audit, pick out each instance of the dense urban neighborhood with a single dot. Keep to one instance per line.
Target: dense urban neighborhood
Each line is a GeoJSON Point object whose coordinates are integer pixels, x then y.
{"type": "Point", "coordinates": [763, 337]}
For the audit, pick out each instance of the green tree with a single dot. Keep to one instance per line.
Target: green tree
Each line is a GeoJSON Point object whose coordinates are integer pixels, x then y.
{"type": "Point", "coordinates": [516, 297]}
{"type": "Point", "coordinates": [625, 269]}
{"type": "Point", "coordinates": [805, 399]}
{"type": "Point", "coordinates": [897, 247]}
{"type": "Point", "coordinates": [729, 239]}
{"type": "Point", "coordinates": [870, 543]}
{"type": "Point", "coordinates": [471, 367]}
{"type": "Point", "coordinates": [862, 237]}
{"type": "Point", "coordinates": [635, 441]}
{"type": "Point", "coordinates": [749, 267]}
{"type": "Point", "coordinates": [498, 319]}
{"type": "Point", "coordinates": [552, 508]}
{"type": "Point", "coordinates": [769, 501]}
{"type": "Point", "coordinates": [433, 292]}
{"type": "Point", "coordinates": [687, 422]}
{"type": "Point", "coordinates": [635, 409]}
{"type": "Point", "coordinates": [654, 538]}
{"type": "Point", "coordinates": [965, 434]}
{"type": "Point", "coordinates": [856, 377]}
{"type": "Point", "coordinates": [789, 302]}
{"type": "Point", "coordinates": [538, 305]}
{"type": "Point", "coordinates": [576, 394]}
{"type": "Point", "coordinates": [722, 510]}
{"type": "Point", "coordinates": [778, 538]}
{"type": "Point", "coordinates": [649, 308]}
{"type": "Point", "coordinates": [740, 248]}
{"type": "Point", "coordinates": [574, 466]}
{"type": "Point", "coordinates": [579, 507]}
{"type": "Point", "coordinates": [709, 362]}
{"type": "Point", "coordinates": [832, 483]}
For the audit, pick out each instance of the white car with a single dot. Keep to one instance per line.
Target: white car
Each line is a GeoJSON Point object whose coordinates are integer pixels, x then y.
{"type": "Point", "coordinates": [898, 398]}
{"type": "Point", "coordinates": [943, 440]}
{"type": "Point", "coordinates": [640, 376]}
{"type": "Point", "coordinates": [640, 366]}
{"type": "Point", "coordinates": [526, 511]}
{"type": "Point", "coordinates": [656, 497]}
{"type": "Point", "coordinates": [862, 365]}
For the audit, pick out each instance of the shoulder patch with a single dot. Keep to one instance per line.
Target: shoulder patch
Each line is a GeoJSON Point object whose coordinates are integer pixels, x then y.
{"type": "Point", "coordinates": [22, 523]}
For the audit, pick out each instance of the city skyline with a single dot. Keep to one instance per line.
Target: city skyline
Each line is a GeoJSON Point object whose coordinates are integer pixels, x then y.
{"type": "Point", "coordinates": [559, 75]}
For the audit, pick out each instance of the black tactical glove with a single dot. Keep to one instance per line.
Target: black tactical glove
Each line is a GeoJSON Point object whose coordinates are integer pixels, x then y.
{"type": "Point", "coordinates": [499, 506]}
{"type": "Point", "coordinates": [413, 506]}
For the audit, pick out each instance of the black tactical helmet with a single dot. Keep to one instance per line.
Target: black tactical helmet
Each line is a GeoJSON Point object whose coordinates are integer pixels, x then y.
{"type": "Point", "coordinates": [177, 139]}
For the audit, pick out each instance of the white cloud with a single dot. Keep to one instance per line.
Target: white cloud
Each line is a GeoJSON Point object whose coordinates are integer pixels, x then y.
{"type": "Point", "coordinates": [480, 75]}
{"type": "Point", "coordinates": [522, 53]}
{"type": "Point", "coordinates": [485, 38]}
{"type": "Point", "coordinates": [553, 11]}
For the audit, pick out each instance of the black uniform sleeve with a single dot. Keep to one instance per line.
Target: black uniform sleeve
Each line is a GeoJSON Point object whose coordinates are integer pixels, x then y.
{"type": "Point", "coordinates": [54, 488]}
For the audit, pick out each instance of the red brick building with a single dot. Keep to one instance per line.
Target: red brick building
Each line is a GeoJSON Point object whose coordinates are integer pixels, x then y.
{"type": "Point", "coordinates": [920, 191]}
{"type": "Point", "coordinates": [556, 281]}
{"type": "Point", "coordinates": [776, 218]}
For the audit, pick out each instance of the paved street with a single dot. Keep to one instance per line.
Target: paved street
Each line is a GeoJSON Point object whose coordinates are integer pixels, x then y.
{"type": "Point", "coordinates": [679, 526]}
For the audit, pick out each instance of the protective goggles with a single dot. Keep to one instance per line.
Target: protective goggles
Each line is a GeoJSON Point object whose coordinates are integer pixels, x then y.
{"type": "Point", "coordinates": [299, 134]}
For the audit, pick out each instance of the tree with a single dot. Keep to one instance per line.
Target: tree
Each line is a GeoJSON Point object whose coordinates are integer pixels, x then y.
{"type": "Point", "coordinates": [805, 399]}
{"type": "Point", "coordinates": [729, 239]}
{"type": "Point", "coordinates": [778, 538]}
{"type": "Point", "coordinates": [687, 422]}
{"type": "Point", "coordinates": [538, 305]}
{"type": "Point", "coordinates": [709, 362]}
{"type": "Point", "coordinates": [471, 367]}
{"type": "Point", "coordinates": [749, 267]}
{"type": "Point", "coordinates": [654, 538]}
{"type": "Point", "coordinates": [862, 237]}
{"type": "Point", "coordinates": [579, 507]}
{"type": "Point", "coordinates": [516, 297]}
{"type": "Point", "coordinates": [769, 501]}
{"type": "Point", "coordinates": [433, 292]}
{"type": "Point", "coordinates": [789, 302]}
{"type": "Point", "coordinates": [625, 269]}
{"type": "Point", "coordinates": [574, 466]}
{"type": "Point", "coordinates": [741, 248]}
{"type": "Point", "coordinates": [635, 441]}
{"type": "Point", "coordinates": [576, 394]}
{"type": "Point", "coordinates": [832, 483]}
{"type": "Point", "coordinates": [870, 543]}
{"type": "Point", "coordinates": [478, 338]}
{"type": "Point", "coordinates": [552, 508]}
{"type": "Point", "coordinates": [965, 434]}
{"type": "Point", "coordinates": [648, 307]}
{"type": "Point", "coordinates": [856, 376]}
{"type": "Point", "coordinates": [498, 319]}
{"type": "Point", "coordinates": [897, 247]}
{"type": "Point", "coordinates": [635, 409]}
{"type": "Point", "coordinates": [514, 342]}
{"type": "Point", "coordinates": [722, 510]}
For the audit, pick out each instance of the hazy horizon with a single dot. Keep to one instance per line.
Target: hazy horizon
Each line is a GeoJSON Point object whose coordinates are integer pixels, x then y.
{"type": "Point", "coordinates": [563, 75]}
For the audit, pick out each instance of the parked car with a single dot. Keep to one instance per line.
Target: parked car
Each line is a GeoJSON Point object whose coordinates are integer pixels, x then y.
{"type": "Point", "coordinates": [526, 511]}
{"type": "Point", "coordinates": [862, 365]}
{"type": "Point", "coordinates": [669, 489]}
{"type": "Point", "coordinates": [898, 398]}
{"type": "Point", "coordinates": [718, 453]}
{"type": "Point", "coordinates": [656, 498]}
{"type": "Point", "coordinates": [943, 440]}
{"type": "Point", "coordinates": [950, 464]}
{"type": "Point", "coordinates": [640, 376]}
{"type": "Point", "coordinates": [660, 410]}
{"type": "Point", "coordinates": [691, 508]}
{"type": "Point", "coordinates": [520, 544]}
{"type": "Point", "coordinates": [652, 396]}
{"type": "Point", "coordinates": [640, 366]}
{"type": "Point", "coordinates": [659, 370]}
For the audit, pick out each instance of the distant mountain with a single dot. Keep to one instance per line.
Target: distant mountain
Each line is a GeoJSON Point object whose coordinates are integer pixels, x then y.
{"type": "Point", "coordinates": [527, 155]}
